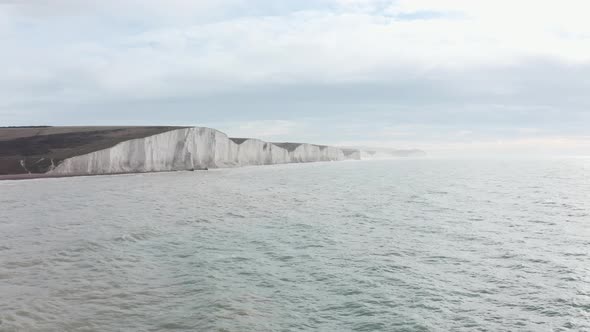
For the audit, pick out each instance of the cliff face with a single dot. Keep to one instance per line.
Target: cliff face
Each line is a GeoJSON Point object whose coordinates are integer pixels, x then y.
{"type": "Point", "coordinates": [193, 148]}
{"type": "Point", "coordinates": [36, 150]}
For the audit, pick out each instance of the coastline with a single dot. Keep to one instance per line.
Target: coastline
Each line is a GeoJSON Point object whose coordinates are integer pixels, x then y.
{"type": "Point", "coordinates": [55, 152]}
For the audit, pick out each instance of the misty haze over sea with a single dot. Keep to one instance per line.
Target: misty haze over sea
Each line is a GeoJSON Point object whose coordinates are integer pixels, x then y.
{"type": "Point", "coordinates": [408, 244]}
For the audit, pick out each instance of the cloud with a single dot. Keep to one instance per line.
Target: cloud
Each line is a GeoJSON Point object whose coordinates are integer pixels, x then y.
{"type": "Point", "coordinates": [451, 65]}
{"type": "Point", "coordinates": [347, 45]}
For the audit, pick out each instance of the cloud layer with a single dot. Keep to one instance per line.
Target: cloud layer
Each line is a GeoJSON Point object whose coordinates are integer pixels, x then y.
{"type": "Point", "coordinates": [486, 69]}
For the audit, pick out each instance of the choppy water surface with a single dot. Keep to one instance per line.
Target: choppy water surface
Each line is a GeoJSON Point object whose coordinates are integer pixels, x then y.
{"type": "Point", "coordinates": [412, 245]}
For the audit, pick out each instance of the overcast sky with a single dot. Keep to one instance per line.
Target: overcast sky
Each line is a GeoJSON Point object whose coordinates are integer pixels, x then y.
{"type": "Point", "coordinates": [442, 75]}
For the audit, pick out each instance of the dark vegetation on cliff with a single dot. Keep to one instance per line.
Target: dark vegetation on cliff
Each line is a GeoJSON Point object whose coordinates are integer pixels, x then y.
{"type": "Point", "coordinates": [349, 152]}
{"type": "Point", "coordinates": [288, 146]}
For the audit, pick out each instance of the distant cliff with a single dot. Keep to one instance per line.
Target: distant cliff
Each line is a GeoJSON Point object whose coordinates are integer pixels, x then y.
{"type": "Point", "coordinates": [62, 151]}
{"type": "Point", "coordinates": [111, 150]}
{"type": "Point", "coordinates": [369, 153]}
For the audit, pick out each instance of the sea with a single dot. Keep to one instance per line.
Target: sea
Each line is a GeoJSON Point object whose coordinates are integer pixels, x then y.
{"type": "Point", "coordinates": [416, 244]}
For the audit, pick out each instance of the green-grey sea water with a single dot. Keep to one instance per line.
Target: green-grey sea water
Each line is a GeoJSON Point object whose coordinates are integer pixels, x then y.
{"type": "Point", "coordinates": [400, 245]}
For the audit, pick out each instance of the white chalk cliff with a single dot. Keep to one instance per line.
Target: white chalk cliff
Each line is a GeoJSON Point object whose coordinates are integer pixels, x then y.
{"type": "Point", "coordinates": [194, 148]}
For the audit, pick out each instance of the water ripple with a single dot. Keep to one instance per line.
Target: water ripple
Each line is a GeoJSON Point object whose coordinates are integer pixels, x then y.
{"type": "Point", "coordinates": [406, 245]}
